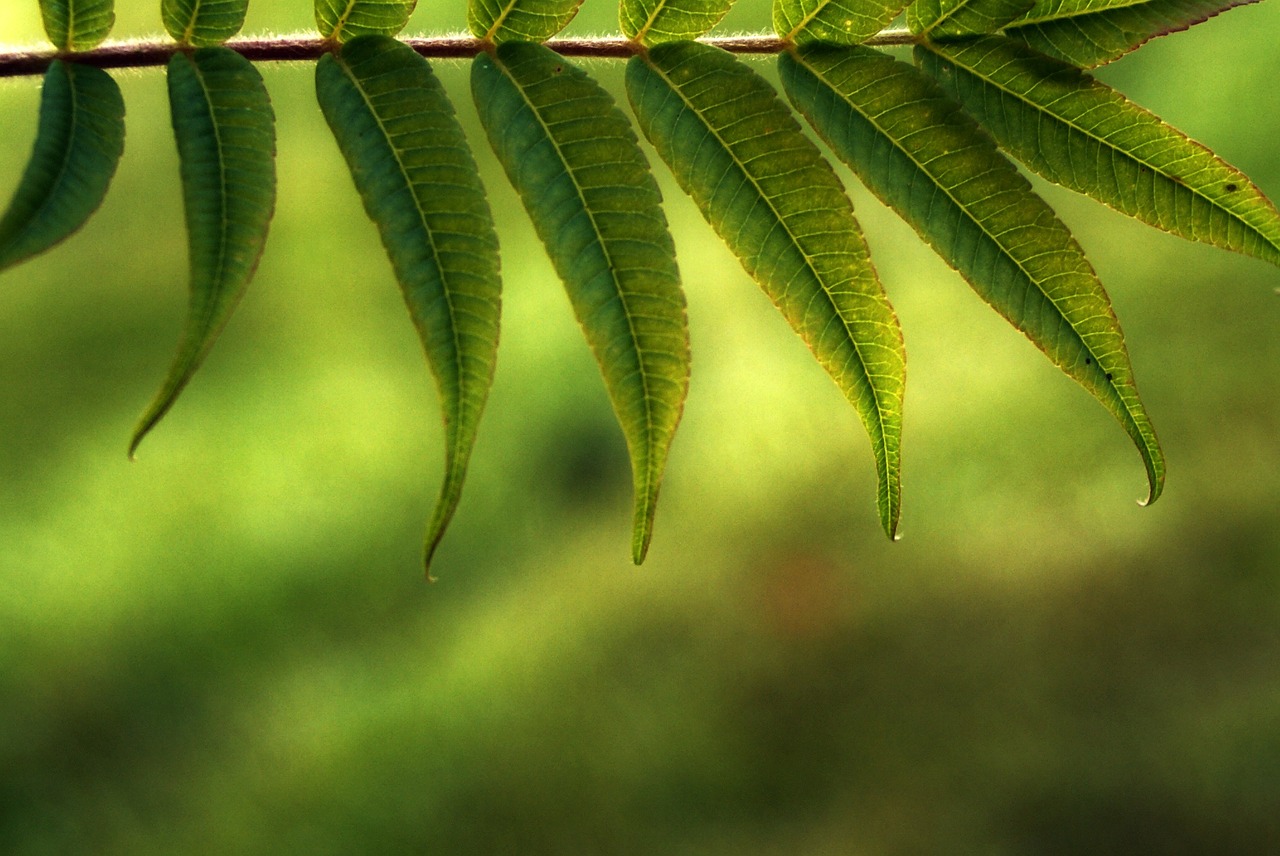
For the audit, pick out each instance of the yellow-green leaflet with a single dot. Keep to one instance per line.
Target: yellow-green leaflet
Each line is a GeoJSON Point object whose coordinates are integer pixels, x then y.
{"type": "Point", "coordinates": [500, 21]}
{"type": "Point", "coordinates": [837, 22]}
{"type": "Point", "coordinates": [343, 20]}
{"type": "Point", "coordinates": [652, 22]}
{"type": "Point", "coordinates": [225, 130]}
{"type": "Point", "coordinates": [943, 18]}
{"type": "Point", "coordinates": [77, 25]}
{"type": "Point", "coordinates": [419, 183]}
{"type": "Point", "coordinates": [918, 152]}
{"type": "Point", "coordinates": [772, 197]}
{"type": "Point", "coordinates": [587, 186]}
{"type": "Point", "coordinates": [1084, 135]}
{"type": "Point", "coordinates": [77, 148]}
{"type": "Point", "coordinates": [203, 23]}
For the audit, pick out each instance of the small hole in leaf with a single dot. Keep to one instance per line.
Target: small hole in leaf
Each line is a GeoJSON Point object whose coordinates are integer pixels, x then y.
{"type": "Point", "coordinates": [1108, 375]}
{"type": "Point", "coordinates": [1088, 361]}
{"type": "Point", "coordinates": [1230, 188]}
{"type": "Point", "coordinates": [558, 69]}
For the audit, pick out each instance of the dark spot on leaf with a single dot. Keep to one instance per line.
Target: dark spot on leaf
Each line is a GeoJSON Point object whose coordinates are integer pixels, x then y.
{"type": "Point", "coordinates": [1088, 361]}
{"type": "Point", "coordinates": [1108, 375]}
{"type": "Point", "coordinates": [557, 69]}
{"type": "Point", "coordinates": [1230, 188]}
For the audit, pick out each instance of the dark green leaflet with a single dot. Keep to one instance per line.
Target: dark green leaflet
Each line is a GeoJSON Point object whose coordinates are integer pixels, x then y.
{"type": "Point", "coordinates": [225, 130]}
{"type": "Point", "coordinates": [343, 20]}
{"type": "Point", "coordinates": [77, 148]}
{"type": "Point", "coordinates": [1084, 135]}
{"type": "Point", "coordinates": [942, 18]}
{"type": "Point", "coordinates": [203, 23]}
{"type": "Point", "coordinates": [579, 170]}
{"type": "Point", "coordinates": [410, 162]}
{"type": "Point", "coordinates": [500, 21]}
{"type": "Point", "coordinates": [840, 22]}
{"type": "Point", "coordinates": [652, 22]}
{"type": "Point", "coordinates": [1087, 33]}
{"type": "Point", "coordinates": [735, 148]}
{"type": "Point", "coordinates": [917, 150]}
{"type": "Point", "coordinates": [77, 25]}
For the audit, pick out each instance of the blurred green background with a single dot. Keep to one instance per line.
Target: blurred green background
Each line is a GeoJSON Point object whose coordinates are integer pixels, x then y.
{"type": "Point", "coordinates": [228, 646]}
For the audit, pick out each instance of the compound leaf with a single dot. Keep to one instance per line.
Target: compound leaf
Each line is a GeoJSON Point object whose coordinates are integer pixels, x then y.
{"type": "Point", "coordinates": [77, 25]}
{"type": "Point", "coordinates": [943, 18]}
{"type": "Point", "coordinates": [498, 21]}
{"type": "Point", "coordinates": [1082, 134]}
{"type": "Point", "coordinates": [420, 186]}
{"type": "Point", "coordinates": [78, 145]}
{"type": "Point", "coordinates": [1087, 33]}
{"type": "Point", "coordinates": [838, 22]}
{"type": "Point", "coordinates": [769, 193]}
{"type": "Point", "coordinates": [203, 23]}
{"type": "Point", "coordinates": [923, 156]}
{"type": "Point", "coordinates": [225, 131]}
{"type": "Point", "coordinates": [576, 163]}
{"type": "Point", "coordinates": [344, 20]}
{"type": "Point", "coordinates": [652, 22]}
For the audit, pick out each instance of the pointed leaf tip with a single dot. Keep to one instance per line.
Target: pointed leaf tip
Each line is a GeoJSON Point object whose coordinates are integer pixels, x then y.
{"type": "Point", "coordinates": [225, 131]}
{"type": "Point", "coordinates": [420, 186]}
{"type": "Point", "coordinates": [776, 202]}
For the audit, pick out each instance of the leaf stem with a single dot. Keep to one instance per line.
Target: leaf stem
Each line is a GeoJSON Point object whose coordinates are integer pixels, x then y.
{"type": "Point", "coordinates": [142, 54]}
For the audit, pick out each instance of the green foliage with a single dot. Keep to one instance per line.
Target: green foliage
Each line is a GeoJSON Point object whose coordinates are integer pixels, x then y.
{"type": "Point", "coordinates": [991, 77]}
{"type": "Point", "coordinates": [415, 173]}
{"type": "Point", "coordinates": [578, 167]}
{"type": "Point", "coordinates": [80, 141]}
{"type": "Point", "coordinates": [77, 25]}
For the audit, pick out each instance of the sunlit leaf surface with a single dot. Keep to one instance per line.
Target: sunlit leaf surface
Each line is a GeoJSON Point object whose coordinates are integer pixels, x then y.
{"type": "Point", "coordinates": [652, 22]}
{"type": "Point", "coordinates": [768, 192]}
{"type": "Point", "coordinates": [77, 148]}
{"type": "Point", "coordinates": [1084, 135]}
{"type": "Point", "coordinates": [343, 20]}
{"type": "Point", "coordinates": [840, 22]}
{"type": "Point", "coordinates": [917, 151]}
{"type": "Point", "coordinates": [519, 20]}
{"type": "Point", "coordinates": [77, 25]}
{"type": "Point", "coordinates": [414, 170]}
{"type": "Point", "coordinates": [942, 18]}
{"type": "Point", "coordinates": [579, 170]}
{"type": "Point", "coordinates": [203, 23]}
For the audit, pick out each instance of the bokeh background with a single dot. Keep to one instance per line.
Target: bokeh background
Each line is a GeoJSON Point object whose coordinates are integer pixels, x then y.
{"type": "Point", "coordinates": [229, 647]}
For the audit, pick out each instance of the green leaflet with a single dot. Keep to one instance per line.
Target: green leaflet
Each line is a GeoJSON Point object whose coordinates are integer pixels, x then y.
{"type": "Point", "coordinates": [579, 170]}
{"type": "Point", "coordinates": [1087, 33]}
{"type": "Point", "coordinates": [652, 22]}
{"type": "Point", "coordinates": [498, 21]}
{"type": "Point", "coordinates": [837, 22]}
{"type": "Point", "coordinates": [942, 18]}
{"type": "Point", "coordinates": [735, 148]}
{"type": "Point", "coordinates": [203, 23]}
{"type": "Point", "coordinates": [344, 20]}
{"type": "Point", "coordinates": [410, 162]}
{"type": "Point", "coordinates": [1082, 134]}
{"type": "Point", "coordinates": [225, 130]}
{"type": "Point", "coordinates": [917, 151]}
{"type": "Point", "coordinates": [77, 25]}
{"type": "Point", "coordinates": [77, 148]}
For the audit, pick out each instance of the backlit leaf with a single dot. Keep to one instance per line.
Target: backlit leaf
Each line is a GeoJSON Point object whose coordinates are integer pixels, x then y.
{"type": "Point", "coordinates": [344, 20]}
{"type": "Point", "coordinates": [923, 156]}
{"type": "Point", "coordinates": [579, 170]}
{"type": "Point", "coordinates": [839, 22]}
{"type": "Point", "coordinates": [77, 148]}
{"type": "Point", "coordinates": [500, 21]}
{"type": "Point", "coordinates": [1084, 135]}
{"type": "Point", "coordinates": [203, 23]}
{"type": "Point", "coordinates": [419, 183]}
{"type": "Point", "coordinates": [1090, 32]}
{"type": "Point", "coordinates": [651, 22]}
{"type": "Point", "coordinates": [765, 188]}
{"type": "Point", "coordinates": [77, 25]}
{"type": "Point", "coordinates": [942, 18]}
{"type": "Point", "coordinates": [225, 130]}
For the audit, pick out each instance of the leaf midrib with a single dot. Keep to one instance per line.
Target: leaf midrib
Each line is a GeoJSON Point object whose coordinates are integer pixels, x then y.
{"type": "Point", "coordinates": [963, 209]}
{"type": "Point", "coordinates": [1081, 13]}
{"type": "Point", "coordinates": [604, 246]}
{"type": "Point", "coordinates": [220, 267]}
{"type": "Point", "coordinates": [862, 364]}
{"type": "Point", "coordinates": [804, 22]}
{"type": "Point", "coordinates": [66, 161]}
{"type": "Point", "coordinates": [1115, 148]}
{"type": "Point", "coordinates": [456, 440]}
